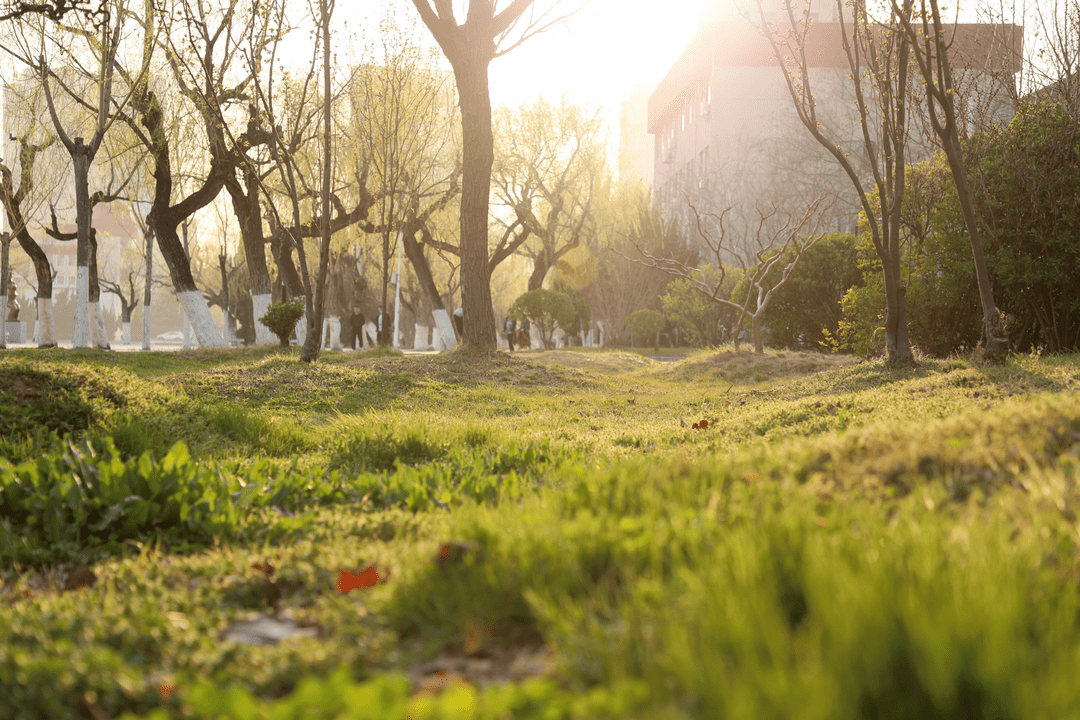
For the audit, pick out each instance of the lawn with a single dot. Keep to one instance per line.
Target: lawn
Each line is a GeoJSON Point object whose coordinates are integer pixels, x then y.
{"type": "Point", "coordinates": [564, 534]}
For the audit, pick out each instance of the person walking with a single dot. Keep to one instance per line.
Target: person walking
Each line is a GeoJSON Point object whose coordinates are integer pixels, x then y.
{"type": "Point", "coordinates": [509, 327]}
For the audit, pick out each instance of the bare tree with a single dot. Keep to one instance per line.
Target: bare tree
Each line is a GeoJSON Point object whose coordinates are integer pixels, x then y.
{"type": "Point", "coordinates": [129, 300]}
{"type": "Point", "coordinates": [778, 241]}
{"type": "Point", "coordinates": [16, 200]}
{"type": "Point", "coordinates": [402, 117]}
{"type": "Point", "coordinates": [470, 46]}
{"type": "Point", "coordinates": [88, 328]}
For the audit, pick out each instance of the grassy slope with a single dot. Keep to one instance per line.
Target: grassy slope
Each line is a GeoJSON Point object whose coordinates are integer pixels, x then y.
{"type": "Point", "coordinates": [853, 542]}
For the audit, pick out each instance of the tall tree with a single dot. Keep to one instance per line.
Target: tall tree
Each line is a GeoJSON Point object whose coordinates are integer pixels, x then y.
{"type": "Point", "coordinates": [216, 53]}
{"type": "Point", "coordinates": [549, 163]}
{"type": "Point", "coordinates": [878, 58]}
{"type": "Point", "coordinates": [470, 46]}
{"type": "Point", "coordinates": [404, 131]}
{"type": "Point", "coordinates": [927, 36]}
{"type": "Point", "coordinates": [87, 328]}
{"type": "Point", "coordinates": [15, 198]}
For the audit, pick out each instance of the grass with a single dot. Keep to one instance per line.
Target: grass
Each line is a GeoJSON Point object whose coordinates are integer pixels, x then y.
{"type": "Point", "coordinates": [843, 540]}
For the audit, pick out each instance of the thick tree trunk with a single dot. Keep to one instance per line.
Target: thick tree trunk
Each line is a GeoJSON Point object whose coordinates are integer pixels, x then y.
{"type": "Point", "coordinates": [539, 271]}
{"type": "Point", "coordinates": [755, 329]}
{"type": "Point", "coordinates": [478, 142]}
{"type": "Point", "coordinates": [163, 220]}
{"type": "Point", "coordinates": [45, 328]}
{"type": "Point", "coordinates": [246, 208]}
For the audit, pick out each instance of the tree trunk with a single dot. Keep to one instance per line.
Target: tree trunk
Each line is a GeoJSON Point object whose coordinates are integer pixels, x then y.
{"type": "Point", "coordinates": [995, 336]}
{"type": "Point", "coordinates": [313, 339]}
{"type": "Point", "coordinates": [471, 74]}
{"type": "Point", "coordinates": [147, 288]}
{"type": "Point", "coordinates": [81, 160]}
{"type": "Point", "coordinates": [246, 207]}
{"type": "Point", "coordinates": [541, 265]}
{"type": "Point", "coordinates": [164, 218]}
{"type": "Point", "coordinates": [415, 253]}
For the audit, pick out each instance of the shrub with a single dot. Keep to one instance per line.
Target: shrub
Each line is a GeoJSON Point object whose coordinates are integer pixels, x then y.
{"type": "Point", "coordinates": [546, 309]}
{"type": "Point", "coordinates": [281, 318]}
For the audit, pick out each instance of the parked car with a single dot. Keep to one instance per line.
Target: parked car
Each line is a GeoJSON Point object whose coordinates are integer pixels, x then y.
{"type": "Point", "coordinates": [171, 336]}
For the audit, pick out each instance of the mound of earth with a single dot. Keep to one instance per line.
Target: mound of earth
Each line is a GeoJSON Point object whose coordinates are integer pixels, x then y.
{"type": "Point", "coordinates": [748, 368]}
{"type": "Point", "coordinates": [59, 399]}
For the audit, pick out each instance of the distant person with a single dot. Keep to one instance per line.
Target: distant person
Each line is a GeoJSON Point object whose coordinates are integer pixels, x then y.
{"type": "Point", "coordinates": [509, 327]}
{"type": "Point", "coordinates": [353, 330]}
{"type": "Point", "coordinates": [524, 341]}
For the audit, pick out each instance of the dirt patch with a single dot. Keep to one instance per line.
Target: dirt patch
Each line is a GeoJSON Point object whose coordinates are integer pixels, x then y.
{"type": "Point", "coordinates": [474, 368]}
{"type": "Point", "coordinates": [604, 362]}
{"type": "Point", "coordinates": [23, 387]}
{"type": "Point", "coordinates": [748, 368]}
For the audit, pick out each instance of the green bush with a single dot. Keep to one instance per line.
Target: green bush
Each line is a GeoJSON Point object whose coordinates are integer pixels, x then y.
{"type": "Point", "coordinates": [281, 318]}
{"type": "Point", "coordinates": [546, 309]}
{"type": "Point", "coordinates": [645, 324]}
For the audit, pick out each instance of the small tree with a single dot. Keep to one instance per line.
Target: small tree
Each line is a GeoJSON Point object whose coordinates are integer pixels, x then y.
{"type": "Point", "coordinates": [282, 317]}
{"type": "Point", "coordinates": [755, 258]}
{"type": "Point", "coordinates": [546, 309]}
{"type": "Point", "coordinates": [646, 324]}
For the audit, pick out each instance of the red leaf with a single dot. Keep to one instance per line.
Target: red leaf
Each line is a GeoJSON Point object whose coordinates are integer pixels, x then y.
{"type": "Point", "coordinates": [367, 578]}
{"type": "Point", "coordinates": [704, 424]}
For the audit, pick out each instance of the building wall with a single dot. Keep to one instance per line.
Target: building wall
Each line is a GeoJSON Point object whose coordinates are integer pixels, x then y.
{"type": "Point", "coordinates": [726, 129]}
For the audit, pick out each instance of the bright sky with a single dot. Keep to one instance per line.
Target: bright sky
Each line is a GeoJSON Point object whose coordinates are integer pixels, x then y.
{"type": "Point", "coordinates": [599, 55]}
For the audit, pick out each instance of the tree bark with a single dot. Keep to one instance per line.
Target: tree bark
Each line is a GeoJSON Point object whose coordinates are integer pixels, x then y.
{"type": "Point", "coordinates": [478, 142]}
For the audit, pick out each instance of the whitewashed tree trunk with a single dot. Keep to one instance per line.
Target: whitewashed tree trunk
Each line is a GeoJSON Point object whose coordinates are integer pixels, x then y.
{"type": "Point", "coordinates": [45, 327]}
{"type": "Point", "coordinates": [146, 327]}
{"type": "Point", "coordinates": [80, 337]}
{"type": "Point", "coordinates": [446, 329]}
{"type": "Point", "coordinates": [335, 332]}
{"type": "Point", "coordinates": [420, 337]}
{"type": "Point", "coordinates": [301, 330]}
{"type": "Point", "coordinates": [188, 340]}
{"type": "Point", "coordinates": [259, 305]}
{"type": "Point", "coordinates": [125, 338]}
{"type": "Point", "coordinates": [202, 322]}
{"type": "Point", "coordinates": [98, 337]}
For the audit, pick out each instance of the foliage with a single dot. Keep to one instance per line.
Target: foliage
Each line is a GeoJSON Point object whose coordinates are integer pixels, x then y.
{"type": "Point", "coordinates": [546, 310]}
{"type": "Point", "coordinates": [645, 324]}
{"type": "Point", "coordinates": [809, 303]}
{"type": "Point", "coordinates": [942, 295]}
{"type": "Point", "coordinates": [926, 507]}
{"type": "Point", "coordinates": [700, 322]}
{"type": "Point", "coordinates": [1028, 198]}
{"type": "Point", "coordinates": [281, 318]}
{"type": "Point", "coordinates": [627, 218]}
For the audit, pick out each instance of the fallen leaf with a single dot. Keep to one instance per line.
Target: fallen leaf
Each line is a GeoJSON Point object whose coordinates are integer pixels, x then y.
{"type": "Point", "coordinates": [349, 581]}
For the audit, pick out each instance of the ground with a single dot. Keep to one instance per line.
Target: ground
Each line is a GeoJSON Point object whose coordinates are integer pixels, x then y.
{"type": "Point", "coordinates": [475, 535]}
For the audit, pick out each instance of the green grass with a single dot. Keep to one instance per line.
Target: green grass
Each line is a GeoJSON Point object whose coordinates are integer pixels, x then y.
{"type": "Point", "coordinates": [844, 539]}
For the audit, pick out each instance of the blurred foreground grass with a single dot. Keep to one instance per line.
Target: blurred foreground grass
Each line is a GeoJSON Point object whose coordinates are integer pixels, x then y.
{"type": "Point", "coordinates": [843, 540]}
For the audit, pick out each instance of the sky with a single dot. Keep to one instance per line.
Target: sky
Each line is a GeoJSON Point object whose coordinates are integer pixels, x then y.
{"type": "Point", "coordinates": [598, 56]}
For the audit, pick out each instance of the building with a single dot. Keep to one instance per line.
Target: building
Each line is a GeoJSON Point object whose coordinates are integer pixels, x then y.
{"type": "Point", "coordinates": [726, 131]}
